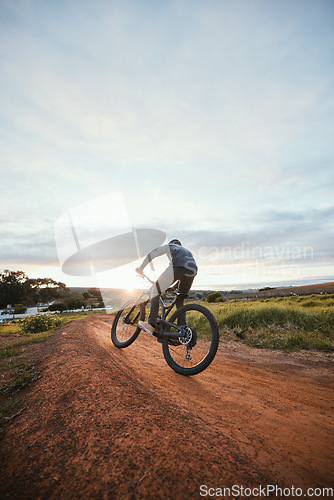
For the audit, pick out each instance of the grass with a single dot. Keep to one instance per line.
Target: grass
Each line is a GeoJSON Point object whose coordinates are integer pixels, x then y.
{"type": "Point", "coordinates": [22, 376]}
{"type": "Point", "coordinates": [287, 323]}
{"type": "Point", "coordinates": [200, 323]}
{"type": "Point", "coordinates": [9, 363]}
{"type": "Point", "coordinates": [10, 329]}
{"type": "Point", "coordinates": [11, 348]}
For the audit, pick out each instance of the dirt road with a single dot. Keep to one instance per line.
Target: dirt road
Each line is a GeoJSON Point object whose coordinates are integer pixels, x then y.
{"type": "Point", "coordinates": [105, 423]}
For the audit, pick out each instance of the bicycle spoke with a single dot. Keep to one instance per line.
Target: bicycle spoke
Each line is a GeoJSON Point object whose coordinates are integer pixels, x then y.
{"type": "Point", "coordinates": [125, 326]}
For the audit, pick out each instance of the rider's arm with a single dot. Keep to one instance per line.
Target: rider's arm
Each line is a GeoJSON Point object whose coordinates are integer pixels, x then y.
{"type": "Point", "coordinates": [157, 252]}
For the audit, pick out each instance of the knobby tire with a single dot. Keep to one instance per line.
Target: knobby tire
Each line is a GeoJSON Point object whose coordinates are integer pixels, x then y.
{"type": "Point", "coordinates": [124, 330]}
{"type": "Point", "coordinates": [205, 347]}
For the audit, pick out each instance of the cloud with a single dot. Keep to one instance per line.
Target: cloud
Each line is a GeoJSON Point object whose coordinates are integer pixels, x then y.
{"type": "Point", "coordinates": [185, 97]}
{"type": "Point", "coordinates": [36, 249]}
{"type": "Point", "coordinates": [277, 230]}
{"type": "Point", "coordinates": [213, 115]}
{"type": "Point", "coordinates": [281, 234]}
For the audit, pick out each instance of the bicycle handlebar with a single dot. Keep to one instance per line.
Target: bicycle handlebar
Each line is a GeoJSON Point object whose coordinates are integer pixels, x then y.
{"type": "Point", "coordinates": [169, 289]}
{"type": "Point", "coordinates": [142, 275]}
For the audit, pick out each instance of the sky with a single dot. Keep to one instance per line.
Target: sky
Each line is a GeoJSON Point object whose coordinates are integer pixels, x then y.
{"type": "Point", "coordinates": [213, 119]}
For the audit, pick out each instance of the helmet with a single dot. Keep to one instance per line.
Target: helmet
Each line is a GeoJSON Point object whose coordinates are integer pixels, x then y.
{"type": "Point", "coordinates": [175, 242]}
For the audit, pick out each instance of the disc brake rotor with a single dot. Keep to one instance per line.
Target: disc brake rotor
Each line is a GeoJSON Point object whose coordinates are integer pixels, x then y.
{"type": "Point", "coordinates": [189, 335]}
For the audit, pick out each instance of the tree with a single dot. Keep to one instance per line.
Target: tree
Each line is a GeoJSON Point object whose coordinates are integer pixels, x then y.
{"type": "Point", "coordinates": [46, 289]}
{"type": "Point", "coordinates": [95, 292]}
{"type": "Point", "coordinates": [14, 288]}
{"type": "Point", "coordinates": [17, 288]}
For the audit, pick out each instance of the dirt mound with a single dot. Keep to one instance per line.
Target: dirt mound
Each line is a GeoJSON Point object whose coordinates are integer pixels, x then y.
{"type": "Point", "coordinates": [320, 288]}
{"type": "Point", "coordinates": [107, 423]}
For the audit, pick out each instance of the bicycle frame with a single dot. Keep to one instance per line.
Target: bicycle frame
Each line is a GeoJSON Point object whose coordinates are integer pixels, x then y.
{"type": "Point", "coordinates": [165, 308]}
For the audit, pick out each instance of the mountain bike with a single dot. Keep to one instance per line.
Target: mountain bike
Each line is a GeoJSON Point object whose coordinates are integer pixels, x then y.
{"type": "Point", "coordinates": [189, 336]}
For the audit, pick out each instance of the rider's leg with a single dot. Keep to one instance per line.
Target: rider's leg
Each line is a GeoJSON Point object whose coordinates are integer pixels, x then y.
{"type": "Point", "coordinates": [163, 282]}
{"type": "Point", "coordinates": [154, 308]}
{"type": "Point", "coordinates": [185, 281]}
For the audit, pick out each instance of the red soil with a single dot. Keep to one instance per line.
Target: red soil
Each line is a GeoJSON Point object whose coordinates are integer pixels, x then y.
{"type": "Point", "coordinates": [106, 423]}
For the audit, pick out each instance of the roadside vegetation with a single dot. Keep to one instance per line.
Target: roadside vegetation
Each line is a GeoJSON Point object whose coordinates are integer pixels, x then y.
{"type": "Point", "coordinates": [286, 323]}
{"type": "Point", "coordinates": [18, 292]}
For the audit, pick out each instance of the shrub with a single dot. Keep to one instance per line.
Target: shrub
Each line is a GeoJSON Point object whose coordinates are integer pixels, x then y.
{"type": "Point", "coordinates": [289, 323]}
{"type": "Point", "coordinates": [212, 297]}
{"type": "Point", "coordinates": [266, 315]}
{"type": "Point", "coordinates": [39, 323]}
{"type": "Point", "coordinates": [58, 306]}
{"type": "Point", "coordinates": [74, 303]}
{"type": "Point", "coordinates": [19, 309]}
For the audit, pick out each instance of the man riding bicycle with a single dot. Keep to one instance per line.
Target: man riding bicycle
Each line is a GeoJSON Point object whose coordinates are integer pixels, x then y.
{"type": "Point", "coordinates": [182, 268]}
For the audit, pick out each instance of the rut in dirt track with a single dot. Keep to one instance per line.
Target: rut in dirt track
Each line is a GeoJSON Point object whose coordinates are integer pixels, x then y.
{"type": "Point", "coordinates": [109, 423]}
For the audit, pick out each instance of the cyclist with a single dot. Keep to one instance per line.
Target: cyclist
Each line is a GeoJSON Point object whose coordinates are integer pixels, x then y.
{"type": "Point", "coordinates": [182, 268]}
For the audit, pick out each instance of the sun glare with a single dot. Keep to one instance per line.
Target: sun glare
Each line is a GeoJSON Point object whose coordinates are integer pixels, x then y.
{"type": "Point", "coordinates": [124, 278]}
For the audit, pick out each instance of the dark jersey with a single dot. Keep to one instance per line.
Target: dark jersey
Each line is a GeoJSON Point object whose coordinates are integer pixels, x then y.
{"type": "Point", "coordinates": [177, 255]}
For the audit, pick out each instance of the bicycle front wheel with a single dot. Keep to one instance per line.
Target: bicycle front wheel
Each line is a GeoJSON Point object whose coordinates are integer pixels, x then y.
{"type": "Point", "coordinates": [125, 327]}
{"type": "Point", "coordinates": [193, 353]}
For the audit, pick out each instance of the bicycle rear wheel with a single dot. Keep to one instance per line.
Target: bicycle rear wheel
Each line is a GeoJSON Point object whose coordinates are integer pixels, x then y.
{"type": "Point", "coordinates": [125, 327]}
{"type": "Point", "coordinates": [192, 354]}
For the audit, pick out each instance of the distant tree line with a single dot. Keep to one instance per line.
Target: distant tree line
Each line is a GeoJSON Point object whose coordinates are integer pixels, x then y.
{"type": "Point", "coordinates": [92, 298]}
{"type": "Point", "coordinates": [17, 288]}
{"type": "Point", "coordinates": [19, 291]}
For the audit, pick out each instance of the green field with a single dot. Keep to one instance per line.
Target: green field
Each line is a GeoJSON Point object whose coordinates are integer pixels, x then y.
{"type": "Point", "coordinates": [287, 323]}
